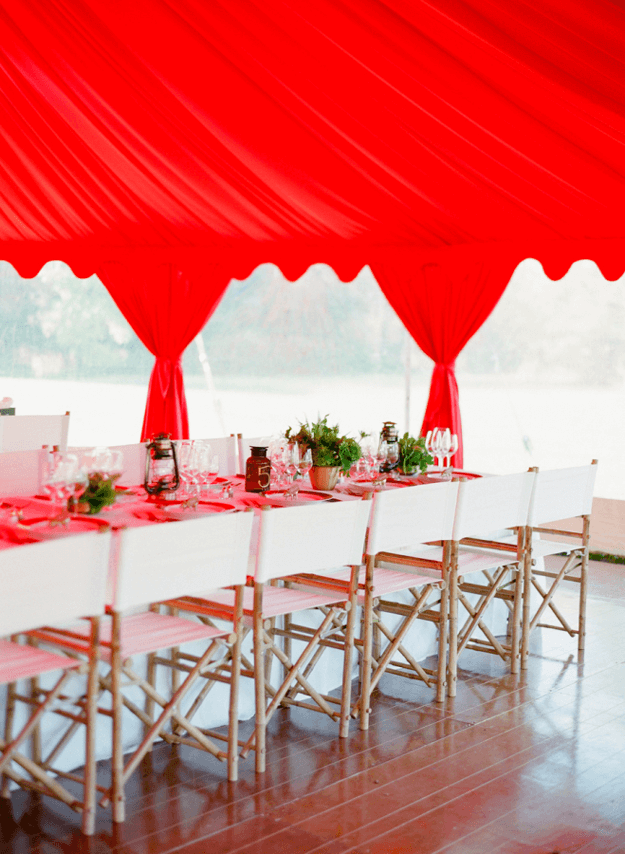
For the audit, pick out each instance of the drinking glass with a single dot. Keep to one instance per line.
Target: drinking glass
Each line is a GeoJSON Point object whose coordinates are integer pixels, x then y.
{"type": "Point", "coordinates": [453, 447]}
{"type": "Point", "coordinates": [211, 470]}
{"type": "Point", "coordinates": [277, 453]}
{"type": "Point", "coordinates": [292, 461]}
{"type": "Point", "coordinates": [305, 462]}
{"type": "Point", "coordinates": [184, 452]}
{"type": "Point", "coordinates": [115, 465]}
{"type": "Point", "coordinates": [392, 454]}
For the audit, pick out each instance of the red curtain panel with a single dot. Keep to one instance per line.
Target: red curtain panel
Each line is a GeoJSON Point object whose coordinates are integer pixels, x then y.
{"type": "Point", "coordinates": [442, 302]}
{"type": "Point", "coordinates": [167, 307]}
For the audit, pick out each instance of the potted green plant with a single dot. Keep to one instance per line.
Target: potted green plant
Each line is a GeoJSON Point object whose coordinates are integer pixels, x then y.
{"type": "Point", "coordinates": [331, 451]}
{"type": "Point", "coordinates": [413, 455]}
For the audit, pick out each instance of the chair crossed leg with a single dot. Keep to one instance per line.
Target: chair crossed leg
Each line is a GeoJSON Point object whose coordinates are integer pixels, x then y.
{"type": "Point", "coordinates": [296, 680]}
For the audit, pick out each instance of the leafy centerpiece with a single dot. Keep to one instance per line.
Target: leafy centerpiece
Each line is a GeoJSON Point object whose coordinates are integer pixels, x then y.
{"type": "Point", "coordinates": [413, 455]}
{"type": "Point", "coordinates": [331, 451]}
{"type": "Point", "coordinates": [99, 492]}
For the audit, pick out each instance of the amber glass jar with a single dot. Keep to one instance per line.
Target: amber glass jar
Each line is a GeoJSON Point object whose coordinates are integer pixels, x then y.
{"type": "Point", "coordinates": [257, 471]}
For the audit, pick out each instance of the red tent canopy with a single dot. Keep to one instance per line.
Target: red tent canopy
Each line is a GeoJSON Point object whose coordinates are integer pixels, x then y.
{"type": "Point", "coordinates": [171, 146]}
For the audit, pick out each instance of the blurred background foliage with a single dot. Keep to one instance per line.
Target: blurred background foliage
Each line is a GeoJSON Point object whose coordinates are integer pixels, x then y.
{"type": "Point", "coordinates": [570, 331]}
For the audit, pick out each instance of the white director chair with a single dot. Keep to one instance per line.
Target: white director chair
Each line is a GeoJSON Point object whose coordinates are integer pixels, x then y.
{"type": "Point", "coordinates": [152, 564]}
{"type": "Point", "coordinates": [484, 568]}
{"type": "Point", "coordinates": [559, 494]}
{"type": "Point", "coordinates": [30, 432]}
{"type": "Point", "coordinates": [51, 583]}
{"type": "Point", "coordinates": [398, 560]}
{"type": "Point", "coordinates": [316, 538]}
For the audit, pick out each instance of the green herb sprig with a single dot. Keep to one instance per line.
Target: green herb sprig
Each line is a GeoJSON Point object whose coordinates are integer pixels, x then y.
{"type": "Point", "coordinates": [327, 445]}
{"type": "Point", "coordinates": [413, 454]}
{"type": "Point", "coordinates": [99, 493]}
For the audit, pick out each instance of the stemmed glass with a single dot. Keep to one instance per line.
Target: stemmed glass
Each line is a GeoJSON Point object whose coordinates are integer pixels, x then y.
{"type": "Point", "coordinates": [184, 450]}
{"type": "Point", "coordinates": [208, 467]}
{"type": "Point", "coordinates": [452, 447]}
{"type": "Point", "coordinates": [392, 454]}
{"type": "Point", "coordinates": [277, 453]}
{"type": "Point", "coordinates": [292, 461]}
{"type": "Point", "coordinates": [381, 456]}
{"type": "Point", "coordinates": [305, 462]}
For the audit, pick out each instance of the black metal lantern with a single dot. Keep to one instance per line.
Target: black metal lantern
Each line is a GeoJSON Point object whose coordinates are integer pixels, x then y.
{"type": "Point", "coordinates": [161, 466]}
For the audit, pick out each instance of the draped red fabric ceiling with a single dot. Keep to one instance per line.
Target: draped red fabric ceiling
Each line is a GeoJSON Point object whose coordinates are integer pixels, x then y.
{"type": "Point", "coordinates": [349, 132]}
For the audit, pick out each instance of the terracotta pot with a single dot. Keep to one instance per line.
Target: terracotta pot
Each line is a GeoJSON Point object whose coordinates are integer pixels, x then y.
{"type": "Point", "coordinates": [324, 477]}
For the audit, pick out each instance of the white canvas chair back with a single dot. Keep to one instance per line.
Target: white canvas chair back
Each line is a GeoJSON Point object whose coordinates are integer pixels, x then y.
{"type": "Point", "coordinates": [30, 432]}
{"type": "Point", "coordinates": [311, 538]}
{"type": "Point", "coordinates": [562, 493]}
{"type": "Point", "coordinates": [244, 445]}
{"type": "Point", "coordinates": [160, 562]}
{"type": "Point", "coordinates": [488, 504]}
{"type": "Point", "coordinates": [20, 472]}
{"type": "Point", "coordinates": [225, 447]}
{"type": "Point", "coordinates": [53, 582]}
{"type": "Point", "coordinates": [407, 517]}
{"type": "Point", "coordinates": [134, 463]}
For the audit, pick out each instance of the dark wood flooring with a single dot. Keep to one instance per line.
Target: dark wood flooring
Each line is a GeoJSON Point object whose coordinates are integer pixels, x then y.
{"type": "Point", "coordinates": [533, 764]}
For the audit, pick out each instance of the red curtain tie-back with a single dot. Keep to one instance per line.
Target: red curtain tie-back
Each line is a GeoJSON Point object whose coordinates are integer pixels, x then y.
{"type": "Point", "coordinates": [166, 401]}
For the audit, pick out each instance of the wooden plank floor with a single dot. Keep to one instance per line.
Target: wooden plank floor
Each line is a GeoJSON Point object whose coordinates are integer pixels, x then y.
{"type": "Point", "coordinates": [514, 765]}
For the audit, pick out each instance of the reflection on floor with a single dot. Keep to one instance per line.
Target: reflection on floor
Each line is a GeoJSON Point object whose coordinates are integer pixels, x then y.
{"type": "Point", "coordinates": [514, 765]}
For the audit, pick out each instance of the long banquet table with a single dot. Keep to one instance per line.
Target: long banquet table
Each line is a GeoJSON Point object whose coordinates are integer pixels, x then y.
{"type": "Point", "coordinates": [134, 509]}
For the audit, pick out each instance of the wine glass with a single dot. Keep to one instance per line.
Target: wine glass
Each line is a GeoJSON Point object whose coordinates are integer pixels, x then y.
{"type": "Point", "coordinates": [115, 465]}
{"type": "Point", "coordinates": [453, 447]}
{"type": "Point", "coordinates": [381, 456]}
{"type": "Point", "coordinates": [432, 443]}
{"type": "Point", "coordinates": [277, 452]}
{"type": "Point", "coordinates": [305, 462]}
{"type": "Point", "coordinates": [201, 464]}
{"type": "Point", "coordinates": [212, 470]}
{"type": "Point", "coordinates": [184, 451]}
{"type": "Point", "coordinates": [292, 461]}
{"type": "Point", "coordinates": [392, 454]}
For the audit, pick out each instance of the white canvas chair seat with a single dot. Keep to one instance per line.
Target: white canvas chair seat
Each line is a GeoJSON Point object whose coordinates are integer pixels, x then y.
{"type": "Point", "coordinates": [146, 632]}
{"type": "Point", "coordinates": [544, 548]}
{"type": "Point", "coordinates": [54, 582]}
{"type": "Point", "coordinates": [278, 601]}
{"type": "Point", "coordinates": [20, 661]}
{"type": "Point", "coordinates": [386, 581]}
{"type": "Point", "coordinates": [558, 494]}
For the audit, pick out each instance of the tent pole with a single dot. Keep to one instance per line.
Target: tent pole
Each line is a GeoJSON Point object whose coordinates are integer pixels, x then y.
{"type": "Point", "coordinates": [208, 376]}
{"type": "Point", "coordinates": [407, 376]}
